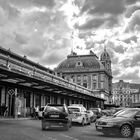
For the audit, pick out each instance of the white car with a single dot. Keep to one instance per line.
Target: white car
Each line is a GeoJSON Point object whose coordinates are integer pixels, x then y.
{"type": "Point", "coordinates": [79, 114]}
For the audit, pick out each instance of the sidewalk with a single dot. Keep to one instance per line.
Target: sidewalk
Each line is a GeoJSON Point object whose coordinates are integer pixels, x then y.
{"type": "Point", "coordinates": [11, 118]}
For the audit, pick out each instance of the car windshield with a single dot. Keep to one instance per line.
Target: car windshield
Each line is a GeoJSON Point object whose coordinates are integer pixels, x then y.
{"type": "Point", "coordinates": [41, 109]}
{"type": "Point", "coordinates": [118, 112]}
{"type": "Point", "coordinates": [54, 108]}
{"type": "Point", "coordinates": [127, 113]}
{"type": "Point", "coordinates": [74, 109]}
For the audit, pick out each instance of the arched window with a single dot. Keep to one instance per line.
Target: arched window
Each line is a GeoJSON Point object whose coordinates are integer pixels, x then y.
{"type": "Point", "coordinates": [79, 63]}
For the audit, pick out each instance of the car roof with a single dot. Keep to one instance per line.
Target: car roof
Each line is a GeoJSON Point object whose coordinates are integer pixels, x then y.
{"type": "Point", "coordinates": [81, 105]}
{"type": "Point", "coordinates": [55, 104]}
{"type": "Point", "coordinates": [76, 107]}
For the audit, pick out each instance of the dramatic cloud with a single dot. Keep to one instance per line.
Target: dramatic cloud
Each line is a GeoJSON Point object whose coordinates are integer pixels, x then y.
{"type": "Point", "coordinates": [46, 31]}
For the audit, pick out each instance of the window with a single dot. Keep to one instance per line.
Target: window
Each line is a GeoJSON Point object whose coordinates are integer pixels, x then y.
{"type": "Point", "coordinates": [108, 66]}
{"type": "Point", "coordinates": [85, 85]}
{"type": "Point", "coordinates": [94, 81]}
{"type": "Point", "coordinates": [79, 63]}
{"type": "Point", "coordinates": [94, 77]}
{"type": "Point", "coordinates": [85, 81]}
{"type": "Point", "coordinates": [94, 86]}
{"type": "Point", "coordinates": [102, 77]}
{"type": "Point", "coordinates": [102, 84]}
{"type": "Point", "coordinates": [85, 78]}
{"type": "Point", "coordinates": [78, 78]}
{"type": "Point", "coordinates": [73, 78]}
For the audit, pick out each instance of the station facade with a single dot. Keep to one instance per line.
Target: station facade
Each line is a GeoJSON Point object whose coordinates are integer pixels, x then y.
{"type": "Point", "coordinates": [90, 72]}
{"type": "Point", "coordinates": [25, 84]}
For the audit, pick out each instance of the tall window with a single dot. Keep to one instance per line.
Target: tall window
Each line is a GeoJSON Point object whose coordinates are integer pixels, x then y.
{"type": "Point", "coordinates": [85, 81]}
{"type": "Point", "coordinates": [78, 79]}
{"type": "Point", "coordinates": [94, 81]}
{"type": "Point", "coordinates": [102, 77]}
{"type": "Point", "coordinates": [72, 78]}
{"type": "Point", "coordinates": [85, 77]}
{"type": "Point", "coordinates": [94, 86]}
{"type": "Point", "coordinates": [102, 80]}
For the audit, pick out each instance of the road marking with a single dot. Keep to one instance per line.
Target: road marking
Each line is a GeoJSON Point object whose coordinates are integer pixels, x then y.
{"type": "Point", "coordinates": [68, 137]}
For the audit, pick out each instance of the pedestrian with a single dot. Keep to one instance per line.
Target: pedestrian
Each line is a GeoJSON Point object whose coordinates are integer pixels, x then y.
{"type": "Point", "coordinates": [6, 112]}
{"type": "Point", "coordinates": [33, 110]}
{"type": "Point", "coordinates": [3, 109]}
{"type": "Point", "coordinates": [36, 112]}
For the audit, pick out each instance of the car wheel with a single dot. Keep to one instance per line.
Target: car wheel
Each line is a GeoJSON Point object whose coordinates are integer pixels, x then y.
{"type": "Point", "coordinates": [126, 131]}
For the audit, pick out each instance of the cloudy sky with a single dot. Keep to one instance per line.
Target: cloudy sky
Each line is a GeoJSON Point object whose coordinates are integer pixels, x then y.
{"type": "Point", "coordinates": [47, 30]}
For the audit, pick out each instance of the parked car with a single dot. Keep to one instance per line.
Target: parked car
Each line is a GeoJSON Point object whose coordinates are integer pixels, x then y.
{"type": "Point", "coordinates": [79, 114]}
{"type": "Point", "coordinates": [40, 112]}
{"type": "Point", "coordinates": [123, 123]}
{"type": "Point", "coordinates": [115, 110]}
{"type": "Point", "coordinates": [92, 116]}
{"type": "Point", "coordinates": [106, 112]}
{"type": "Point", "coordinates": [97, 112]}
{"type": "Point", "coordinates": [56, 115]}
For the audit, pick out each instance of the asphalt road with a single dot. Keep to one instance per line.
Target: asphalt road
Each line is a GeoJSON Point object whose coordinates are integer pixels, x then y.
{"type": "Point", "coordinates": [31, 130]}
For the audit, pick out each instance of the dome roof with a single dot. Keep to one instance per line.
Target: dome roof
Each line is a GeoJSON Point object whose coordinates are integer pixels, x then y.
{"type": "Point", "coordinates": [105, 56]}
{"type": "Point", "coordinates": [76, 62]}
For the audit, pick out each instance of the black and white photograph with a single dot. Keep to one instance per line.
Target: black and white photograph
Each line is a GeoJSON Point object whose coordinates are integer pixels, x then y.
{"type": "Point", "coordinates": [69, 69]}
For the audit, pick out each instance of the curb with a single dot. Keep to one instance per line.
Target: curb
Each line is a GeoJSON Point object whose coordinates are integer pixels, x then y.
{"type": "Point", "coordinates": [4, 119]}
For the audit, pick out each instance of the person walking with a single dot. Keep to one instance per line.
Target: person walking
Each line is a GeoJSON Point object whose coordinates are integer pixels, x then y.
{"type": "Point", "coordinates": [6, 112]}
{"type": "Point", "coordinates": [3, 109]}
{"type": "Point", "coordinates": [33, 111]}
{"type": "Point", "coordinates": [36, 112]}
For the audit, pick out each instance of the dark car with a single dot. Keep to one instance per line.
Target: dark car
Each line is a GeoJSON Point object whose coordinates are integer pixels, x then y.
{"type": "Point", "coordinates": [123, 123]}
{"type": "Point", "coordinates": [97, 112]}
{"type": "Point", "coordinates": [92, 115]}
{"type": "Point", "coordinates": [106, 113]}
{"type": "Point", "coordinates": [56, 115]}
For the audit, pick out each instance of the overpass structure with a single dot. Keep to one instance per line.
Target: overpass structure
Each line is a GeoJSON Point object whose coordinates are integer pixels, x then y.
{"type": "Point", "coordinates": [24, 84]}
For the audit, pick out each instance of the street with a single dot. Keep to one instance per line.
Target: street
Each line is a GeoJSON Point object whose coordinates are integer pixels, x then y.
{"type": "Point", "coordinates": [31, 130]}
